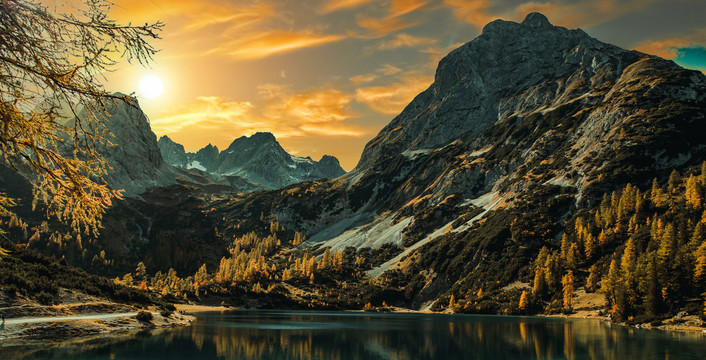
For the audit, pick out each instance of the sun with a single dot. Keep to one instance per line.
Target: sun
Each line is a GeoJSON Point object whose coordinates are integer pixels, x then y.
{"type": "Point", "coordinates": [151, 87]}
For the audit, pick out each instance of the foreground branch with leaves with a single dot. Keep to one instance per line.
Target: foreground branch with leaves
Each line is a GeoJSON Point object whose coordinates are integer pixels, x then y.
{"type": "Point", "coordinates": [51, 67]}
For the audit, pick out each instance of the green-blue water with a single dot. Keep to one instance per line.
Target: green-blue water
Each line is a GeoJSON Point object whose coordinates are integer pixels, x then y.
{"type": "Point", "coordinates": [335, 335]}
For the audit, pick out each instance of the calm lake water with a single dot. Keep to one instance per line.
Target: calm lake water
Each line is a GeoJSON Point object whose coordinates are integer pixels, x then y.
{"type": "Point", "coordinates": [335, 335]}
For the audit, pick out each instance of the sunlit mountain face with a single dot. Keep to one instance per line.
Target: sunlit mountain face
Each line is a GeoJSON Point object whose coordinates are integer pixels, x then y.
{"type": "Point", "coordinates": [324, 76]}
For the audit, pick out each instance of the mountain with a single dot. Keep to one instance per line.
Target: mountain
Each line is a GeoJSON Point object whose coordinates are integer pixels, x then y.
{"type": "Point", "coordinates": [537, 153]}
{"type": "Point", "coordinates": [524, 128]}
{"type": "Point", "coordinates": [259, 159]}
{"type": "Point", "coordinates": [135, 160]}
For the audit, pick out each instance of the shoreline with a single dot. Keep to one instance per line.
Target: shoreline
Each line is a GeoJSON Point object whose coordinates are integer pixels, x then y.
{"type": "Point", "coordinates": [58, 327]}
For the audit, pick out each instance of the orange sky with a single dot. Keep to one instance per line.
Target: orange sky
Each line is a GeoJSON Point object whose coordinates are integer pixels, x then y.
{"type": "Point", "coordinates": [326, 75]}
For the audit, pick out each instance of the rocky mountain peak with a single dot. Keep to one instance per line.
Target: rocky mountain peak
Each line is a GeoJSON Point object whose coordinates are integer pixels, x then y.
{"type": "Point", "coordinates": [536, 20]}
{"type": "Point", "coordinates": [172, 152]}
{"type": "Point", "coordinates": [473, 84]}
{"type": "Point", "coordinates": [258, 158]}
{"type": "Point", "coordinates": [257, 139]}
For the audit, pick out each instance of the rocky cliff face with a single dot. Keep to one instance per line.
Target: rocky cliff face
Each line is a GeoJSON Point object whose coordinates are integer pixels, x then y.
{"type": "Point", "coordinates": [172, 152]}
{"type": "Point", "coordinates": [136, 158]}
{"type": "Point", "coordinates": [526, 124]}
{"type": "Point", "coordinates": [258, 159]}
{"type": "Point", "coordinates": [523, 128]}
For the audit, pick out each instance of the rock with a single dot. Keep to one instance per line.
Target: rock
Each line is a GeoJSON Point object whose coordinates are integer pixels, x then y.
{"type": "Point", "coordinates": [172, 152]}
{"type": "Point", "coordinates": [259, 160]}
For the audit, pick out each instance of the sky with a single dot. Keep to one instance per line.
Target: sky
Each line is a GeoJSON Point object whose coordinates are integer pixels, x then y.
{"type": "Point", "coordinates": [325, 76]}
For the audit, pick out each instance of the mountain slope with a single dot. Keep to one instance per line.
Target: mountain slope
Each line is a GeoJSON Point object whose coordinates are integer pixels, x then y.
{"type": "Point", "coordinates": [134, 157]}
{"type": "Point", "coordinates": [526, 129]}
{"type": "Point", "coordinates": [259, 159]}
{"type": "Point", "coordinates": [523, 128]}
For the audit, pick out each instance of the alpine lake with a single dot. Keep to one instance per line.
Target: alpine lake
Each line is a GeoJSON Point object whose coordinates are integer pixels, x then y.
{"type": "Point", "coordinates": [353, 335]}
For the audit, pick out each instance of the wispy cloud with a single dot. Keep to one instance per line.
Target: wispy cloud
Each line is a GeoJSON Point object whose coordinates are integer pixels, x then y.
{"type": "Point", "coordinates": [363, 79]}
{"type": "Point", "coordinates": [335, 5]}
{"type": "Point", "coordinates": [668, 47]}
{"type": "Point", "coordinates": [571, 13]}
{"type": "Point", "coordinates": [248, 30]}
{"type": "Point", "coordinates": [392, 22]}
{"type": "Point", "coordinates": [285, 113]}
{"type": "Point", "coordinates": [260, 45]}
{"type": "Point", "coordinates": [392, 98]}
{"type": "Point", "coordinates": [405, 40]}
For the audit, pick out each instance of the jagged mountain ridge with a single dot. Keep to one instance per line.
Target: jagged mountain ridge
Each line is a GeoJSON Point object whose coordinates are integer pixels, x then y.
{"type": "Point", "coordinates": [565, 124]}
{"type": "Point", "coordinates": [575, 120]}
{"type": "Point", "coordinates": [135, 160]}
{"type": "Point", "coordinates": [259, 158]}
{"type": "Point", "coordinates": [526, 109]}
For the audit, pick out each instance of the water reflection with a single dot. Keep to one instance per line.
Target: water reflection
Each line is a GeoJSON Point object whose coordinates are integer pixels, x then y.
{"type": "Point", "coordinates": [302, 335]}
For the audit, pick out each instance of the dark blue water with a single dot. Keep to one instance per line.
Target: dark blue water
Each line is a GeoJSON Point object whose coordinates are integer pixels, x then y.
{"type": "Point", "coordinates": [333, 335]}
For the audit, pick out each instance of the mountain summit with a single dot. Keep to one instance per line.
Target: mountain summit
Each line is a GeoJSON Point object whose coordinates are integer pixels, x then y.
{"type": "Point", "coordinates": [259, 159]}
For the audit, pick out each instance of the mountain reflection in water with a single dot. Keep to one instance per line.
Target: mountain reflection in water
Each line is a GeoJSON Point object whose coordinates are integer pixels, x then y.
{"type": "Point", "coordinates": [329, 335]}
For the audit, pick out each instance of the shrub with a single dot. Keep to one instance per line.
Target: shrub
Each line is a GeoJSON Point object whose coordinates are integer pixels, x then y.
{"type": "Point", "coordinates": [165, 313]}
{"type": "Point", "coordinates": [145, 316]}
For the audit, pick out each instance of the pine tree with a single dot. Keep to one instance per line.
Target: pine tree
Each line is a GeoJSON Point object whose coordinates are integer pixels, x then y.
{"type": "Point", "coordinates": [694, 193]}
{"type": "Point", "coordinates": [653, 296]}
{"type": "Point", "coordinates": [201, 276]}
{"type": "Point", "coordinates": [298, 239]}
{"type": "Point", "coordinates": [539, 287]}
{"type": "Point", "coordinates": [602, 239]}
{"type": "Point", "coordinates": [567, 283]}
{"type": "Point", "coordinates": [593, 279]}
{"type": "Point", "coordinates": [700, 267]}
{"type": "Point", "coordinates": [612, 282]}
{"type": "Point", "coordinates": [703, 174]}
{"type": "Point", "coordinates": [591, 246]}
{"type": "Point", "coordinates": [673, 183]}
{"type": "Point", "coordinates": [572, 259]}
{"type": "Point", "coordinates": [452, 302]}
{"type": "Point", "coordinates": [524, 301]}
{"type": "Point", "coordinates": [656, 193]}
{"type": "Point", "coordinates": [565, 245]}
{"type": "Point", "coordinates": [140, 271]}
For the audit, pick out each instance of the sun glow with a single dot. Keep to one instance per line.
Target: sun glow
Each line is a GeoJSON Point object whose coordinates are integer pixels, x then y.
{"type": "Point", "coordinates": [151, 87]}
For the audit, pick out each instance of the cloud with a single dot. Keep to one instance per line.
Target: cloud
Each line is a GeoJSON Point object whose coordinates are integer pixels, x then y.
{"type": "Point", "coordinates": [285, 113]}
{"type": "Point", "coordinates": [668, 47]}
{"type": "Point", "coordinates": [250, 30]}
{"type": "Point", "coordinates": [379, 27]}
{"type": "Point", "coordinates": [260, 45]}
{"type": "Point", "coordinates": [570, 13]}
{"type": "Point", "coordinates": [405, 40]}
{"type": "Point", "coordinates": [209, 111]}
{"type": "Point", "coordinates": [335, 5]}
{"type": "Point", "coordinates": [403, 7]}
{"type": "Point", "coordinates": [391, 99]}
{"type": "Point", "coordinates": [389, 70]}
{"type": "Point", "coordinates": [363, 79]}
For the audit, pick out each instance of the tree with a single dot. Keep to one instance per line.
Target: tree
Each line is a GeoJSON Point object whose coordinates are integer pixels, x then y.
{"type": "Point", "coordinates": [51, 65]}
{"type": "Point", "coordinates": [567, 283]}
{"type": "Point", "coordinates": [524, 301]}
{"type": "Point", "coordinates": [673, 182]}
{"type": "Point", "coordinates": [700, 266]}
{"type": "Point", "coordinates": [141, 271]}
{"type": "Point", "coordinates": [540, 285]}
{"type": "Point", "coordinates": [201, 276]}
{"type": "Point", "coordinates": [593, 279]}
{"type": "Point", "coordinates": [694, 193]}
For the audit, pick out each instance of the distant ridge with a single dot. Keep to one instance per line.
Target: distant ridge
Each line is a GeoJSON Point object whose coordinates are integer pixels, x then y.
{"type": "Point", "coordinates": [259, 159]}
